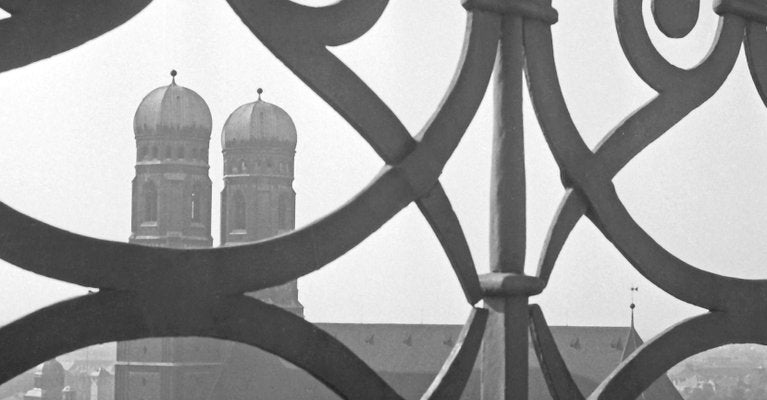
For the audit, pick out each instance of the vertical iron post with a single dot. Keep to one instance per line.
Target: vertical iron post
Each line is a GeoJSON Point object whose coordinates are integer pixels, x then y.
{"type": "Point", "coordinates": [504, 355]}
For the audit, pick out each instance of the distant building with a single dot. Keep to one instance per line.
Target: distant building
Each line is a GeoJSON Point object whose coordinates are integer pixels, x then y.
{"type": "Point", "coordinates": [48, 381]}
{"type": "Point", "coordinates": [172, 208]}
{"type": "Point", "coordinates": [408, 356]}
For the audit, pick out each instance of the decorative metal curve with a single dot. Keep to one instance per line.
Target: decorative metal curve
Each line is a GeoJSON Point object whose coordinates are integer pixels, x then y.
{"type": "Point", "coordinates": [146, 275]}
{"type": "Point", "coordinates": [436, 208]}
{"type": "Point", "coordinates": [756, 54]}
{"type": "Point", "coordinates": [137, 278]}
{"type": "Point", "coordinates": [690, 337]}
{"type": "Point", "coordinates": [40, 29]}
{"type": "Point", "coordinates": [247, 268]}
{"type": "Point", "coordinates": [680, 91]}
{"type": "Point", "coordinates": [451, 379]}
{"type": "Point", "coordinates": [558, 379]}
{"type": "Point", "coordinates": [301, 49]}
{"type": "Point", "coordinates": [571, 209]}
{"type": "Point", "coordinates": [591, 173]}
{"type": "Point", "coordinates": [126, 316]}
{"type": "Point", "coordinates": [332, 25]}
{"type": "Point", "coordinates": [650, 65]}
{"type": "Point", "coordinates": [675, 18]}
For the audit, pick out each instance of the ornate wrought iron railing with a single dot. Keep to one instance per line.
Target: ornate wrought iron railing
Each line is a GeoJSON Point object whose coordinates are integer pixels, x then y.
{"type": "Point", "coordinates": [141, 295]}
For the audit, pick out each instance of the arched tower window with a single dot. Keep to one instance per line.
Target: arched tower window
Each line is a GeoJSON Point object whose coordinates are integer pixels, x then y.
{"type": "Point", "coordinates": [282, 212]}
{"type": "Point", "coordinates": [194, 154]}
{"type": "Point", "coordinates": [150, 202]}
{"type": "Point", "coordinates": [142, 153]}
{"type": "Point", "coordinates": [239, 211]}
{"type": "Point", "coordinates": [168, 152]}
{"type": "Point", "coordinates": [197, 203]}
{"type": "Point", "coordinates": [154, 152]}
{"type": "Point", "coordinates": [180, 153]}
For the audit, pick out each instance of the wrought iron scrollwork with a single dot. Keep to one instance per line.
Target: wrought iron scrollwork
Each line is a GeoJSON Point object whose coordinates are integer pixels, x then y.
{"type": "Point", "coordinates": [136, 279]}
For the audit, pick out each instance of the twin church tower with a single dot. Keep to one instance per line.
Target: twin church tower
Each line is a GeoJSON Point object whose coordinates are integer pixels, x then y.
{"type": "Point", "coordinates": [172, 205]}
{"type": "Point", "coordinates": [172, 189]}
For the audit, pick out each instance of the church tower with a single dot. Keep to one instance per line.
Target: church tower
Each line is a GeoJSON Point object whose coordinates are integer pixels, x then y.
{"type": "Point", "coordinates": [172, 190]}
{"type": "Point", "coordinates": [171, 208]}
{"type": "Point", "coordinates": [258, 201]}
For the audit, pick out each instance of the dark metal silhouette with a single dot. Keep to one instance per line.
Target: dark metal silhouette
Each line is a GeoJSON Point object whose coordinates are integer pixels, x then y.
{"type": "Point", "coordinates": [143, 293]}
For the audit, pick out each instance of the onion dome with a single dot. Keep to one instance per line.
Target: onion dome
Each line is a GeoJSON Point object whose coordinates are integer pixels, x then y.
{"type": "Point", "coordinates": [173, 110]}
{"type": "Point", "coordinates": [258, 124]}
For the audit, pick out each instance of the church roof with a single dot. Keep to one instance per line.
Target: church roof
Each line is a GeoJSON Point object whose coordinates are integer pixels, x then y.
{"type": "Point", "coordinates": [173, 110]}
{"type": "Point", "coordinates": [660, 389]}
{"type": "Point", "coordinates": [401, 348]}
{"type": "Point", "coordinates": [590, 351]}
{"type": "Point", "coordinates": [258, 123]}
{"type": "Point", "coordinates": [403, 352]}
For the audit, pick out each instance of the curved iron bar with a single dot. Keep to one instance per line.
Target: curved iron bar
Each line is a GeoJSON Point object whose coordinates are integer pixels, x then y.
{"type": "Point", "coordinates": [678, 95]}
{"type": "Point", "coordinates": [637, 372]}
{"type": "Point", "coordinates": [35, 246]}
{"type": "Point", "coordinates": [127, 316]}
{"type": "Point", "coordinates": [647, 62]}
{"type": "Point", "coordinates": [452, 378]}
{"type": "Point", "coordinates": [306, 55]}
{"type": "Point", "coordinates": [39, 29]}
{"type": "Point", "coordinates": [250, 267]}
{"type": "Point", "coordinates": [152, 269]}
{"type": "Point", "coordinates": [438, 212]}
{"type": "Point", "coordinates": [675, 18]}
{"type": "Point", "coordinates": [298, 36]}
{"type": "Point", "coordinates": [571, 209]}
{"type": "Point", "coordinates": [680, 92]}
{"type": "Point", "coordinates": [756, 54]}
{"type": "Point", "coordinates": [652, 260]}
{"type": "Point", "coordinates": [558, 379]}
{"type": "Point", "coordinates": [591, 174]}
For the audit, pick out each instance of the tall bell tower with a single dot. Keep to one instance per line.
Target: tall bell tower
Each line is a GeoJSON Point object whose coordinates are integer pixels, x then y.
{"type": "Point", "coordinates": [172, 190]}
{"type": "Point", "coordinates": [171, 208]}
{"type": "Point", "coordinates": [258, 200]}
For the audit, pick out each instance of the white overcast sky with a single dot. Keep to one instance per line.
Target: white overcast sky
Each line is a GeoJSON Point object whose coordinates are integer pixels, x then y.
{"type": "Point", "coordinates": [68, 155]}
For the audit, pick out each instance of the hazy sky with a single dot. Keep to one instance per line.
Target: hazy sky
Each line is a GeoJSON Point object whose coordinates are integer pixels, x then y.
{"type": "Point", "coordinates": [68, 157]}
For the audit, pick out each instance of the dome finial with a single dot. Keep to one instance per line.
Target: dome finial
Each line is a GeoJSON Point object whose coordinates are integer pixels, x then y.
{"type": "Point", "coordinates": [259, 91]}
{"type": "Point", "coordinates": [173, 74]}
